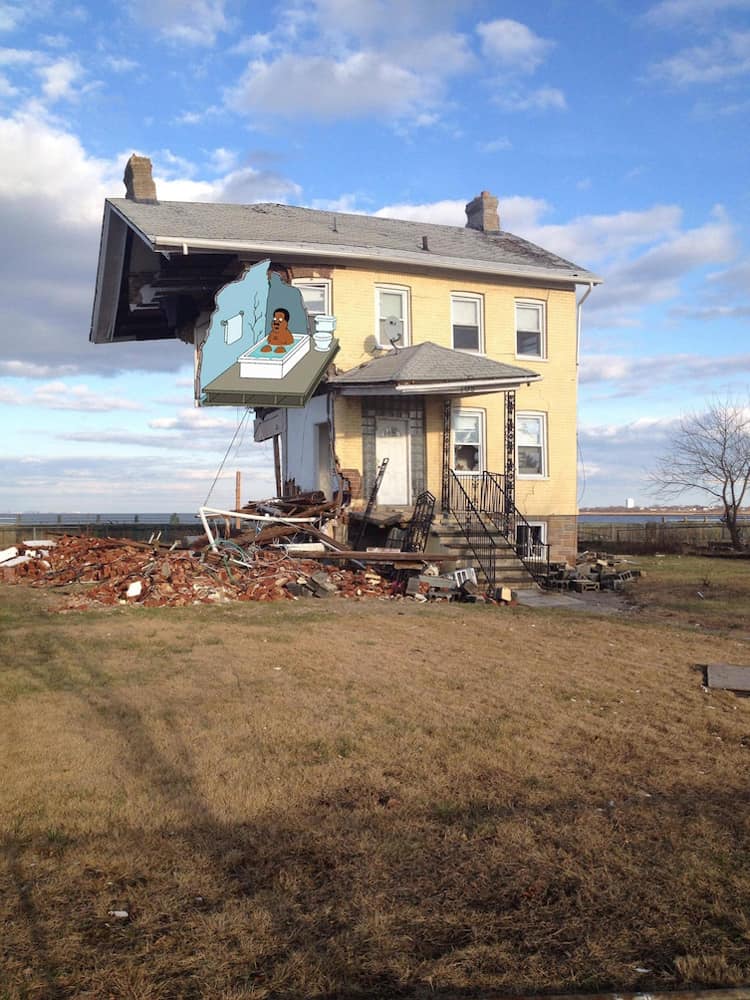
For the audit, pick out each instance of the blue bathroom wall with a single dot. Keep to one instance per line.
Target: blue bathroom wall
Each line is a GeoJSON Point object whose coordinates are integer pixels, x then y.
{"type": "Point", "coordinates": [247, 295]}
{"type": "Point", "coordinates": [255, 298]}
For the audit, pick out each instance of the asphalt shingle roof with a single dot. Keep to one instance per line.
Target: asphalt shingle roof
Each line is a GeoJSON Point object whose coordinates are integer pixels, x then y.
{"type": "Point", "coordinates": [429, 363]}
{"type": "Point", "coordinates": [340, 233]}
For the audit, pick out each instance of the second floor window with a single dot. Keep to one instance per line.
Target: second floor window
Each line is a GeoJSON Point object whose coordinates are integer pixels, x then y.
{"type": "Point", "coordinates": [530, 333]}
{"type": "Point", "coordinates": [466, 319]}
{"type": "Point", "coordinates": [392, 315]}
{"type": "Point", "coordinates": [316, 294]}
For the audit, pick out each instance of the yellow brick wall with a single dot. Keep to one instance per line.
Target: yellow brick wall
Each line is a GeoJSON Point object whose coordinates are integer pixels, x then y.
{"type": "Point", "coordinates": [353, 303]}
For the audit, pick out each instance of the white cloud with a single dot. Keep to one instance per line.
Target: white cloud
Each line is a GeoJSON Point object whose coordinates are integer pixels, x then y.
{"type": "Point", "coordinates": [638, 376]}
{"type": "Point", "coordinates": [364, 83]}
{"type": "Point", "coordinates": [120, 64]}
{"type": "Point", "coordinates": [512, 45]}
{"type": "Point", "coordinates": [59, 79]}
{"type": "Point", "coordinates": [18, 57]}
{"type": "Point", "coordinates": [495, 145]}
{"type": "Point", "coordinates": [60, 396]}
{"type": "Point", "coordinates": [241, 186]}
{"type": "Point", "coordinates": [6, 87]}
{"type": "Point", "coordinates": [223, 160]}
{"type": "Point", "coordinates": [720, 59]}
{"type": "Point", "coordinates": [187, 22]}
{"type": "Point", "coordinates": [253, 45]}
{"type": "Point", "coordinates": [542, 99]}
{"type": "Point", "coordinates": [674, 13]}
{"type": "Point", "coordinates": [51, 200]}
{"type": "Point", "coordinates": [443, 213]}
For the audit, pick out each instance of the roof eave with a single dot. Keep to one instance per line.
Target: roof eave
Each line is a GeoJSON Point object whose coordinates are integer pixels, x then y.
{"type": "Point", "coordinates": [416, 258]}
{"type": "Point", "coordinates": [452, 387]}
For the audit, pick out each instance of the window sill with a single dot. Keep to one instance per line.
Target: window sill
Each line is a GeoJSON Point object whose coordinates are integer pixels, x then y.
{"type": "Point", "coordinates": [531, 357]}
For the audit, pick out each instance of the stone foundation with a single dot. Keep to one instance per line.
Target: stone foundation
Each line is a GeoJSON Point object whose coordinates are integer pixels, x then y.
{"type": "Point", "coordinates": [562, 537]}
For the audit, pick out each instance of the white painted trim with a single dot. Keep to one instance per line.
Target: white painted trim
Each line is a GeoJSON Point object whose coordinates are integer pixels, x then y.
{"type": "Point", "coordinates": [478, 298]}
{"type": "Point", "coordinates": [543, 417]}
{"type": "Point", "coordinates": [482, 414]}
{"type": "Point", "coordinates": [327, 290]}
{"type": "Point", "coordinates": [541, 305]}
{"type": "Point", "coordinates": [405, 292]}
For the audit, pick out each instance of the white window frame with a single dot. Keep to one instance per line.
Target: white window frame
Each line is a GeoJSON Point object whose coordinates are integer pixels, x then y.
{"type": "Point", "coordinates": [405, 292]}
{"type": "Point", "coordinates": [542, 418]}
{"type": "Point", "coordinates": [541, 306]}
{"type": "Point", "coordinates": [479, 301]}
{"type": "Point", "coordinates": [325, 284]}
{"type": "Point", "coordinates": [466, 411]}
{"type": "Point", "coordinates": [529, 552]}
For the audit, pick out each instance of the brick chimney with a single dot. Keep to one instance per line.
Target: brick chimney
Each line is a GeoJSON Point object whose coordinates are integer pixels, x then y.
{"type": "Point", "coordinates": [481, 213]}
{"type": "Point", "coordinates": [139, 184]}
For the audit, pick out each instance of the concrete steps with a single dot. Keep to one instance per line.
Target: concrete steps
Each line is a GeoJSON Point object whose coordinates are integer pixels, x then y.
{"type": "Point", "coordinates": [447, 537]}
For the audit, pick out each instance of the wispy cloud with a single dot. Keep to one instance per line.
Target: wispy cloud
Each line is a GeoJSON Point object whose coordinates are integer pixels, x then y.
{"type": "Point", "coordinates": [186, 22]}
{"type": "Point", "coordinates": [61, 396]}
{"type": "Point", "coordinates": [542, 99]}
{"type": "Point", "coordinates": [722, 58]}
{"type": "Point", "coordinates": [639, 376]}
{"type": "Point", "coordinates": [512, 45]}
{"type": "Point", "coordinates": [677, 13]}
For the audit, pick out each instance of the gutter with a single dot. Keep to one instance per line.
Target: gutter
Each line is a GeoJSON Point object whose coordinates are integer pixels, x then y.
{"type": "Point", "coordinates": [368, 254]}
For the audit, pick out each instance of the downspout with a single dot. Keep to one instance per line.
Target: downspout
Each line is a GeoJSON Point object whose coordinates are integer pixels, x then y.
{"type": "Point", "coordinates": [579, 310]}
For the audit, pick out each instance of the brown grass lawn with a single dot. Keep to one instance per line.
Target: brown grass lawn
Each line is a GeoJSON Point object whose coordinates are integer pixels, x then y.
{"type": "Point", "coordinates": [332, 799]}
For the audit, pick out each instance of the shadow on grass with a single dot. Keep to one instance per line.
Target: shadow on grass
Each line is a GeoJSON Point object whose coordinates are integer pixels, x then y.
{"type": "Point", "coordinates": [352, 898]}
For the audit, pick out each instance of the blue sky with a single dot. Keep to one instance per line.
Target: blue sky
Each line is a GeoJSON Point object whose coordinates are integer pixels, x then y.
{"type": "Point", "coordinates": [613, 132]}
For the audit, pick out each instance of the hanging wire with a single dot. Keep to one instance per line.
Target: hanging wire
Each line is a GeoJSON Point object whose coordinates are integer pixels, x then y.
{"type": "Point", "coordinates": [226, 456]}
{"type": "Point", "coordinates": [582, 493]}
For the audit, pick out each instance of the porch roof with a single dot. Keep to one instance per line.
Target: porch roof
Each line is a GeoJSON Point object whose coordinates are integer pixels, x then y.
{"type": "Point", "coordinates": [428, 369]}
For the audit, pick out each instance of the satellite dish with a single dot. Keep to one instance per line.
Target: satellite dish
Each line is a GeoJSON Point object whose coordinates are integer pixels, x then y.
{"type": "Point", "coordinates": [394, 328]}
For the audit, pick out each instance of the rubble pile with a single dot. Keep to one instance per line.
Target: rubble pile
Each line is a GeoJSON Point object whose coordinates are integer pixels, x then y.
{"type": "Point", "coordinates": [593, 571]}
{"type": "Point", "coordinates": [119, 571]}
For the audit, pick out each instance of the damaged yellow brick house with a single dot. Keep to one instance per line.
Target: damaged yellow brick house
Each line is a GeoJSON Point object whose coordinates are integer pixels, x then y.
{"type": "Point", "coordinates": [456, 355]}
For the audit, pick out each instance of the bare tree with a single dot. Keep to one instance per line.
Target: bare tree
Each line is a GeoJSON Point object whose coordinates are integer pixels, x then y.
{"type": "Point", "coordinates": [710, 452]}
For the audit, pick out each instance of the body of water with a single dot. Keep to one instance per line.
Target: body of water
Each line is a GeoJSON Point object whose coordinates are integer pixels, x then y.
{"type": "Point", "coordinates": [74, 518]}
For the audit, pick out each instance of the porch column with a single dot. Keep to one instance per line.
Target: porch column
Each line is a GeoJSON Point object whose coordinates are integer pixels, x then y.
{"type": "Point", "coordinates": [510, 452]}
{"type": "Point", "coordinates": [445, 497]}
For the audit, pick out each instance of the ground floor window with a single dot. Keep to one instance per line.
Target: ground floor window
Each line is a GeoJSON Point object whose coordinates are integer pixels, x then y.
{"type": "Point", "coordinates": [468, 440]}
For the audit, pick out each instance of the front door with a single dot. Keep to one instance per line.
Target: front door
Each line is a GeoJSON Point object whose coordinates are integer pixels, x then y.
{"type": "Point", "coordinates": [392, 442]}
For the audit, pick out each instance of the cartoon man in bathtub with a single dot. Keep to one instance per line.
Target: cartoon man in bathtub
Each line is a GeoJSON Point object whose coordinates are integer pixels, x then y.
{"type": "Point", "coordinates": [280, 336]}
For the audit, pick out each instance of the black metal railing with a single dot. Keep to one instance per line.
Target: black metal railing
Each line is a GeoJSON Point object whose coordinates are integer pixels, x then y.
{"type": "Point", "coordinates": [479, 501]}
{"type": "Point", "coordinates": [475, 529]}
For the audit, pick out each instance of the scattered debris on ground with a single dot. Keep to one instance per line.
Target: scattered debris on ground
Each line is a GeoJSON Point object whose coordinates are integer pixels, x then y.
{"type": "Point", "coordinates": [117, 571]}
{"type": "Point", "coordinates": [593, 571]}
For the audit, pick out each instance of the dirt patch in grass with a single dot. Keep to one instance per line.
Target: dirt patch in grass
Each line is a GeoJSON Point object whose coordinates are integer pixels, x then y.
{"type": "Point", "coordinates": [336, 800]}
